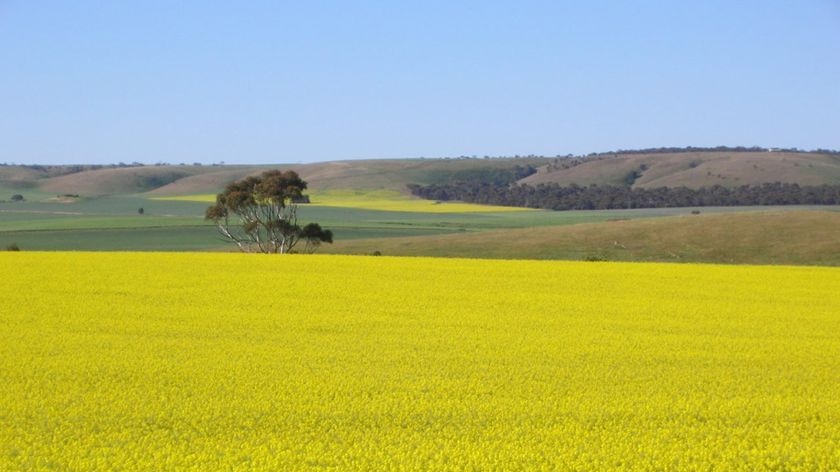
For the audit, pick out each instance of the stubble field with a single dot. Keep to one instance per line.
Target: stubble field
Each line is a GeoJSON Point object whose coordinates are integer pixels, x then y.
{"type": "Point", "coordinates": [227, 362]}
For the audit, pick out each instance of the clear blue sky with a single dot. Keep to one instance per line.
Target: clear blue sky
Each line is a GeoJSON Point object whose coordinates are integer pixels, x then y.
{"type": "Point", "coordinates": [85, 81]}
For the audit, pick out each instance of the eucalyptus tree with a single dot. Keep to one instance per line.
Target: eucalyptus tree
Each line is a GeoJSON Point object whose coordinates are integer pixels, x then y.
{"type": "Point", "coordinates": [260, 214]}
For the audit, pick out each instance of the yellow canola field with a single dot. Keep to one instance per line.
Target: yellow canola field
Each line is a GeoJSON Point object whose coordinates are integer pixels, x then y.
{"type": "Point", "coordinates": [144, 361]}
{"type": "Point", "coordinates": [380, 200]}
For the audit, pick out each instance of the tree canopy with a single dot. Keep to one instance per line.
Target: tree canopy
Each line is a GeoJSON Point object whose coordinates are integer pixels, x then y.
{"type": "Point", "coordinates": [260, 214]}
{"type": "Point", "coordinates": [601, 197]}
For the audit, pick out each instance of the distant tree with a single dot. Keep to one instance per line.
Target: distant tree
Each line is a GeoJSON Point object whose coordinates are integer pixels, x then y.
{"type": "Point", "coordinates": [17, 198]}
{"type": "Point", "coordinates": [594, 197]}
{"type": "Point", "coordinates": [141, 210]}
{"type": "Point", "coordinates": [13, 247]}
{"type": "Point", "coordinates": [259, 214]}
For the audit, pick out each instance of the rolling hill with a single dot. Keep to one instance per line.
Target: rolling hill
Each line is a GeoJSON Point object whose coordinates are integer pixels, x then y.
{"type": "Point", "coordinates": [647, 170]}
{"type": "Point", "coordinates": [395, 174]}
{"type": "Point", "coordinates": [123, 180]}
{"type": "Point", "coordinates": [694, 169]}
{"type": "Point", "coordinates": [382, 174]}
{"type": "Point", "coordinates": [375, 174]}
{"type": "Point", "coordinates": [206, 182]}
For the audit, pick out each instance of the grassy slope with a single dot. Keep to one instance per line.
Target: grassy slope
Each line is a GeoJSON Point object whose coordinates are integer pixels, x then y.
{"type": "Point", "coordinates": [210, 182]}
{"type": "Point", "coordinates": [698, 169]}
{"type": "Point", "coordinates": [690, 169]}
{"type": "Point", "coordinates": [29, 192]}
{"type": "Point", "coordinates": [375, 174]}
{"type": "Point", "coordinates": [128, 180]}
{"type": "Point", "coordinates": [792, 237]}
{"type": "Point", "coordinates": [392, 174]}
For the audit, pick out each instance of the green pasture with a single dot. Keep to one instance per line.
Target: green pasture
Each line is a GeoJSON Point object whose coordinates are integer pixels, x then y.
{"type": "Point", "coordinates": [114, 223]}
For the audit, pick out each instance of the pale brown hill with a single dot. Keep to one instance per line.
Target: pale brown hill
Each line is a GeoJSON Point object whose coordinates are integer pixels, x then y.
{"type": "Point", "coordinates": [16, 176]}
{"type": "Point", "coordinates": [325, 175]}
{"type": "Point", "coordinates": [123, 180]}
{"type": "Point", "coordinates": [697, 169]}
{"type": "Point", "coordinates": [692, 169]}
{"type": "Point", "coordinates": [28, 176]}
{"type": "Point", "coordinates": [391, 174]}
{"type": "Point", "coordinates": [396, 173]}
{"type": "Point", "coordinates": [212, 181]}
{"type": "Point", "coordinates": [772, 237]}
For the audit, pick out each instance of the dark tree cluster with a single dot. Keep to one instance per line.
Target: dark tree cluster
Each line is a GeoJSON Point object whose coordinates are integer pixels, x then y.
{"type": "Point", "coordinates": [495, 176]}
{"type": "Point", "coordinates": [555, 197]}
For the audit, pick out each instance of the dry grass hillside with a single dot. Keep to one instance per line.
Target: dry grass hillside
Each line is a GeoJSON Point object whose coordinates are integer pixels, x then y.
{"type": "Point", "coordinates": [121, 180]}
{"type": "Point", "coordinates": [394, 174]}
{"type": "Point", "coordinates": [691, 169]}
{"type": "Point", "coordinates": [778, 237]}
{"type": "Point", "coordinates": [326, 175]}
{"type": "Point", "coordinates": [30, 176]}
{"type": "Point", "coordinates": [209, 182]}
{"type": "Point", "coordinates": [390, 174]}
{"type": "Point", "coordinates": [14, 176]}
{"type": "Point", "coordinates": [697, 169]}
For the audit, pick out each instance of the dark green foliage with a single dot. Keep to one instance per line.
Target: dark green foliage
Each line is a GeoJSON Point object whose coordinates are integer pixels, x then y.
{"type": "Point", "coordinates": [555, 197]}
{"type": "Point", "coordinates": [13, 247]}
{"type": "Point", "coordinates": [631, 177]}
{"type": "Point", "coordinates": [17, 198]}
{"type": "Point", "coordinates": [314, 235]}
{"type": "Point", "coordinates": [265, 210]}
{"type": "Point", "coordinates": [149, 182]}
{"type": "Point", "coordinates": [488, 175]}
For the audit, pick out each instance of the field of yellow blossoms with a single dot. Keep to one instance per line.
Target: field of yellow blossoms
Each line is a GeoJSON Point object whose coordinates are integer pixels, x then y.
{"type": "Point", "coordinates": [148, 361]}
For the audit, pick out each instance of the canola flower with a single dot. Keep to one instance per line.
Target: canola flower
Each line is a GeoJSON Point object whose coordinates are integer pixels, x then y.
{"type": "Point", "coordinates": [144, 361]}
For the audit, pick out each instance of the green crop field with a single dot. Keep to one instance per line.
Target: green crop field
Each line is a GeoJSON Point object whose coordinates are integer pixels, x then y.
{"type": "Point", "coordinates": [176, 223]}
